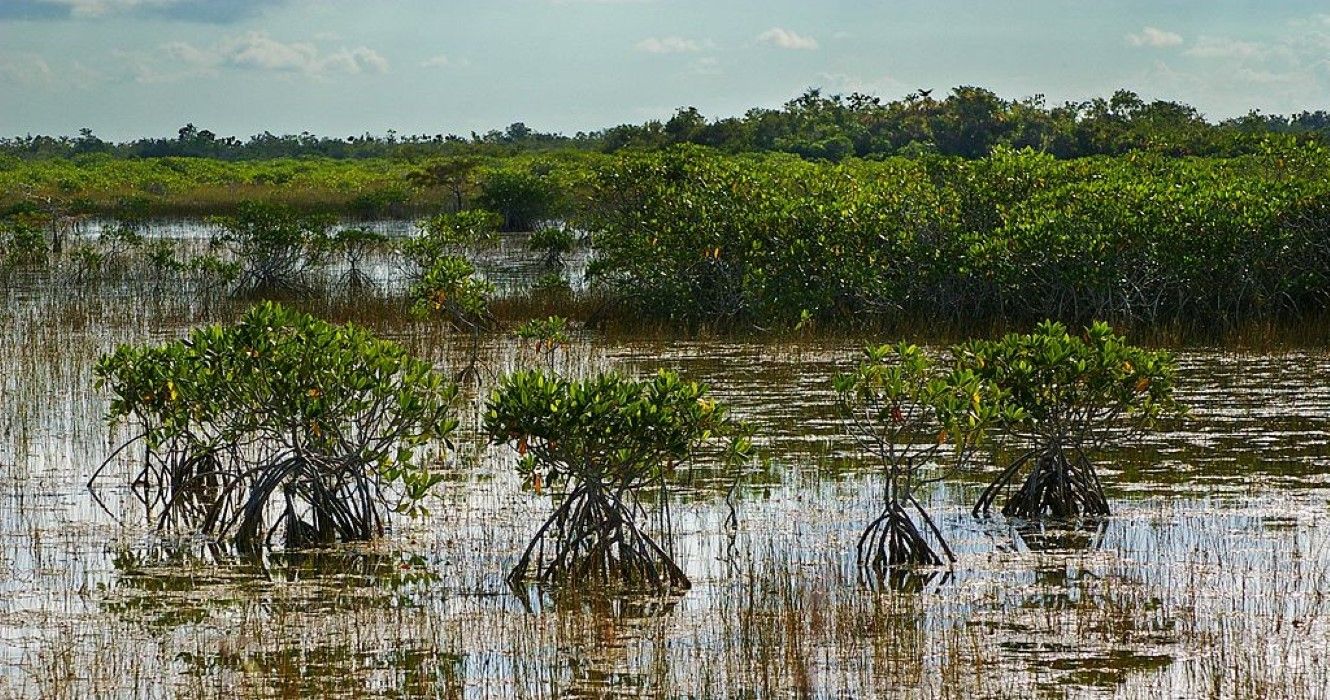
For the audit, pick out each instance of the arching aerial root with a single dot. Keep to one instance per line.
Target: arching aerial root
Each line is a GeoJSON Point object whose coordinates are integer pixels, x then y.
{"type": "Point", "coordinates": [893, 540]}
{"type": "Point", "coordinates": [1057, 486]}
{"type": "Point", "coordinates": [591, 539]}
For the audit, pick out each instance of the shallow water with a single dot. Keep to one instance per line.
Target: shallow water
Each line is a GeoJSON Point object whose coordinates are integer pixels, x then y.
{"type": "Point", "coordinates": [1210, 580]}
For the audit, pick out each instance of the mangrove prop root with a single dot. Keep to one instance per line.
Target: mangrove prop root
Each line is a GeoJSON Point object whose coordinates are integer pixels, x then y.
{"type": "Point", "coordinates": [591, 539]}
{"type": "Point", "coordinates": [318, 501]}
{"type": "Point", "coordinates": [1057, 486]}
{"type": "Point", "coordinates": [893, 540]}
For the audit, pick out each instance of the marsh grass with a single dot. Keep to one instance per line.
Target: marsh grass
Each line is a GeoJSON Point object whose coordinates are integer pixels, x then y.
{"type": "Point", "coordinates": [1210, 580]}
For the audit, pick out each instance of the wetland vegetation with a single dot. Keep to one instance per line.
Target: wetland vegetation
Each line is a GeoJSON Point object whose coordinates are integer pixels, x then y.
{"type": "Point", "coordinates": [527, 416]}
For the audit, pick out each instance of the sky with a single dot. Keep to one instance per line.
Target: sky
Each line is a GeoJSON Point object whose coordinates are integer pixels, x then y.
{"type": "Point", "coordinates": [135, 68]}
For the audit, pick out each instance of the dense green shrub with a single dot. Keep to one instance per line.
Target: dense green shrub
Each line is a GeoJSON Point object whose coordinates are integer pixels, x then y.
{"type": "Point", "coordinates": [1067, 397]}
{"type": "Point", "coordinates": [554, 242]}
{"type": "Point", "coordinates": [275, 245]}
{"type": "Point", "coordinates": [523, 197]}
{"type": "Point", "coordinates": [450, 234]}
{"type": "Point", "coordinates": [689, 233]}
{"type": "Point", "coordinates": [610, 438]}
{"type": "Point", "coordinates": [280, 419]}
{"type": "Point", "coordinates": [443, 278]}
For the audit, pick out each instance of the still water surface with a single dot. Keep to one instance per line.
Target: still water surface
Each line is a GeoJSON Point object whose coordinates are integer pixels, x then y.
{"type": "Point", "coordinates": [1210, 579]}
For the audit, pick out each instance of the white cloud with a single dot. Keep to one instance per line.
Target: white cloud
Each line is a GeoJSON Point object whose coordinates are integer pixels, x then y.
{"type": "Point", "coordinates": [1155, 38]}
{"type": "Point", "coordinates": [211, 11]}
{"type": "Point", "coordinates": [667, 44]}
{"type": "Point", "coordinates": [443, 61]}
{"type": "Point", "coordinates": [28, 70]}
{"type": "Point", "coordinates": [787, 39]}
{"type": "Point", "coordinates": [707, 65]}
{"type": "Point", "coordinates": [258, 51]}
{"type": "Point", "coordinates": [98, 8]}
{"type": "Point", "coordinates": [1218, 47]}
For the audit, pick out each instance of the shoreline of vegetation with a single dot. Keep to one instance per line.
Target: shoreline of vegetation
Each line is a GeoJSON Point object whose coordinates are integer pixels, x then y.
{"type": "Point", "coordinates": [698, 238]}
{"type": "Point", "coordinates": [775, 238]}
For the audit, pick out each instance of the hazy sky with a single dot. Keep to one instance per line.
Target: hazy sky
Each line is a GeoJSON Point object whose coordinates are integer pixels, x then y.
{"type": "Point", "coordinates": [129, 68]}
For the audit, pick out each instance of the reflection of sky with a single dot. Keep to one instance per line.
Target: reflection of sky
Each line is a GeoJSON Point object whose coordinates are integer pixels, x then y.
{"type": "Point", "coordinates": [1217, 546]}
{"type": "Point", "coordinates": [508, 263]}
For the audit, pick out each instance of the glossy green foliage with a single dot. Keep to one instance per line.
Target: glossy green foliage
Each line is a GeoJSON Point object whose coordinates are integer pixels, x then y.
{"type": "Point", "coordinates": [690, 233]}
{"type": "Point", "coordinates": [611, 430]}
{"type": "Point", "coordinates": [451, 234]}
{"type": "Point", "coordinates": [913, 414]}
{"type": "Point", "coordinates": [609, 437]}
{"type": "Point", "coordinates": [524, 197]}
{"type": "Point", "coordinates": [547, 332]}
{"type": "Point", "coordinates": [444, 283]}
{"type": "Point", "coordinates": [911, 406]}
{"type": "Point", "coordinates": [1069, 396]}
{"type": "Point", "coordinates": [22, 239]}
{"type": "Point", "coordinates": [328, 414]}
{"type": "Point", "coordinates": [450, 290]}
{"type": "Point", "coordinates": [554, 242]}
{"type": "Point", "coordinates": [275, 246]}
{"type": "Point", "coordinates": [355, 243]}
{"type": "Point", "coordinates": [1074, 389]}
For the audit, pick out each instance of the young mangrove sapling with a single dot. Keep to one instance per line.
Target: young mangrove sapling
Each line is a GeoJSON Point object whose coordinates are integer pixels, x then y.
{"type": "Point", "coordinates": [912, 414]}
{"type": "Point", "coordinates": [280, 419]}
{"type": "Point", "coordinates": [1071, 396]}
{"type": "Point", "coordinates": [611, 439]}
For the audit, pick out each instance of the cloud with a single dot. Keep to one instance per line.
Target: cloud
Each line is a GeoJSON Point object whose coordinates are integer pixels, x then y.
{"type": "Point", "coordinates": [208, 11]}
{"type": "Point", "coordinates": [707, 65]}
{"type": "Point", "coordinates": [1154, 37]}
{"type": "Point", "coordinates": [26, 69]}
{"type": "Point", "coordinates": [787, 39]}
{"type": "Point", "coordinates": [667, 44]}
{"type": "Point", "coordinates": [442, 61]}
{"type": "Point", "coordinates": [1218, 47]}
{"type": "Point", "coordinates": [253, 51]}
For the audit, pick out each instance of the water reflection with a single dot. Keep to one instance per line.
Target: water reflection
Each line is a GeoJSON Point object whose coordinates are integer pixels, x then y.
{"type": "Point", "coordinates": [1210, 578]}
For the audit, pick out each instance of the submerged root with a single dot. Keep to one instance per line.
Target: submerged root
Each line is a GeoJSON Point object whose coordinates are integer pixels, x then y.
{"type": "Point", "coordinates": [1057, 487]}
{"type": "Point", "coordinates": [892, 541]}
{"type": "Point", "coordinates": [591, 539]}
{"type": "Point", "coordinates": [313, 501]}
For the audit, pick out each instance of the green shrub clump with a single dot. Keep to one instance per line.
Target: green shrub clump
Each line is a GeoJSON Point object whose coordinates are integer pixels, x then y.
{"type": "Point", "coordinates": [915, 415]}
{"type": "Point", "coordinates": [611, 439]}
{"type": "Point", "coordinates": [280, 419]}
{"type": "Point", "coordinates": [1067, 397]}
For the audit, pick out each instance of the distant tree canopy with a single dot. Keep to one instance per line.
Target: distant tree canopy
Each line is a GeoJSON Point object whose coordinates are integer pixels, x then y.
{"type": "Point", "coordinates": [968, 122]}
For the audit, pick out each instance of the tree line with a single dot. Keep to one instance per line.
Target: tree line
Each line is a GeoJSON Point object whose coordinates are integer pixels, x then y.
{"type": "Point", "coordinates": [968, 122]}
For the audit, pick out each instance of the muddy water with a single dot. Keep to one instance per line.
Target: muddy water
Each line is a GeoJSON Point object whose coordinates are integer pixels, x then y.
{"type": "Point", "coordinates": [1210, 580]}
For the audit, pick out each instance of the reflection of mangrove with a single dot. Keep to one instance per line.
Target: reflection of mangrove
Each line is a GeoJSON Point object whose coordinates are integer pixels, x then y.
{"type": "Point", "coordinates": [1079, 535]}
{"type": "Point", "coordinates": [1116, 629]}
{"type": "Point", "coordinates": [597, 632]}
{"type": "Point", "coordinates": [337, 670]}
{"type": "Point", "coordinates": [175, 584]}
{"type": "Point", "coordinates": [902, 579]}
